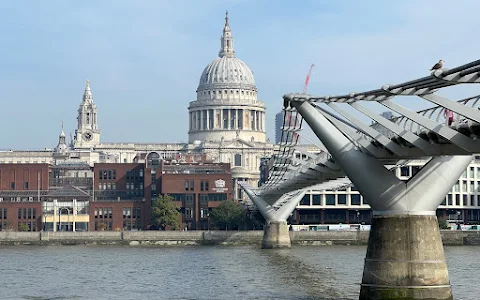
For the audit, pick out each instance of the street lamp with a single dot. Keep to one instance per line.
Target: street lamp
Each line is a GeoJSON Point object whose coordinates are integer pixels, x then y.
{"type": "Point", "coordinates": [458, 220]}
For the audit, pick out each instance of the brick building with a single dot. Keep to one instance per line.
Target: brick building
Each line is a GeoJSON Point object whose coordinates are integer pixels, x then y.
{"type": "Point", "coordinates": [196, 188]}
{"type": "Point", "coordinates": [21, 186]}
{"type": "Point", "coordinates": [120, 201]}
{"type": "Point", "coordinates": [72, 196]}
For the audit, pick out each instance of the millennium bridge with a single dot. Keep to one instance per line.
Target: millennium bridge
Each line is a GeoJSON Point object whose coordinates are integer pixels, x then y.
{"type": "Point", "coordinates": [405, 257]}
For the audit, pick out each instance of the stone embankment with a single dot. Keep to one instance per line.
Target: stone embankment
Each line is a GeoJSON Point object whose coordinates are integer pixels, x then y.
{"type": "Point", "coordinates": [170, 238]}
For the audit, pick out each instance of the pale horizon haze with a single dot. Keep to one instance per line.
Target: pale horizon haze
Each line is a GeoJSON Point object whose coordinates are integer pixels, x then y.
{"type": "Point", "coordinates": [144, 58]}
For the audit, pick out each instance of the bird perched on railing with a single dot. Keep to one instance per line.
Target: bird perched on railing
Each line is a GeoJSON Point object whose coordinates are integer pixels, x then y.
{"type": "Point", "coordinates": [438, 65]}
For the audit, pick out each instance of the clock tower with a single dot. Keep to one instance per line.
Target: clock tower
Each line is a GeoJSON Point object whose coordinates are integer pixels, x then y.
{"type": "Point", "coordinates": [87, 133]}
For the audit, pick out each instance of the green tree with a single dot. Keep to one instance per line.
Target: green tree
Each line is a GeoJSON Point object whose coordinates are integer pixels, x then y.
{"type": "Point", "coordinates": [442, 224]}
{"type": "Point", "coordinates": [228, 214]}
{"type": "Point", "coordinates": [22, 227]}
{"type": "Point", "coordinates": [165, 213]}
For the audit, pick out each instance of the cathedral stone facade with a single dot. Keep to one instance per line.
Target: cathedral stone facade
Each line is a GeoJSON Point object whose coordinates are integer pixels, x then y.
{"type": "Point", "coordinates": [226, 125]}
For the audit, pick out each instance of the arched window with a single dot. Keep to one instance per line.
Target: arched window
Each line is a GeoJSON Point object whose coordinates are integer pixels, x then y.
{"type": "Point", "coordinates": [238, 160]}
{"type": "Point", "coordinates": [153, 160]}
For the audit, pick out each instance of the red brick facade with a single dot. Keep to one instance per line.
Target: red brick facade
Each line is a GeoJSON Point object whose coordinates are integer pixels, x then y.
{"type": "Point", "coordinates": [122, 195]}
{"type": "Point", "coordinates": [19, 188]}
{"type": "Point", "coordinates": [23, 177]}
{"type": "Point", "coordinates": [197, 192]}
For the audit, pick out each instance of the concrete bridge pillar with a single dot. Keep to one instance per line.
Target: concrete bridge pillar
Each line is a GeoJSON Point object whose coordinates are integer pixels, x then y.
{"type": "Point", "coordinates": [276, 235]}
{"type": "Point", "coordinates": [276, 230]}
{"type": "Point", "coordinates": [405, 258]}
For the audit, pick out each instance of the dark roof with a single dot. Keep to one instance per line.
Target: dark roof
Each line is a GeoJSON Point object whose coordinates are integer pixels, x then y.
{"type": "Point", "coordinates": [68, 191]}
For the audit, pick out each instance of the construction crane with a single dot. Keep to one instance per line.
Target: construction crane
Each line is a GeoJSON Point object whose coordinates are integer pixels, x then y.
{"type": "Point", "coordinates": [307, 79]}
{"type": "Point", "coordinates": [288, 119]}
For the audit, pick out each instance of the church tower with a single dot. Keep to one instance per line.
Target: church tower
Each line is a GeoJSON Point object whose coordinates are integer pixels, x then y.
{"type": "Point", "coordinates": [87, 133]}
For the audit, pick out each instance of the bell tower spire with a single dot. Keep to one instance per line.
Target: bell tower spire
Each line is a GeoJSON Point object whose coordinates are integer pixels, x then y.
{"type": "Point", "coordinates": [226, 48]}
{"type": "Point", "coordinates": [87, 133]}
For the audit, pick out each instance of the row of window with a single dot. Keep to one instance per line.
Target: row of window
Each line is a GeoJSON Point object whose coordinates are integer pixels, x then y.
{"type": "Point", "coordinates": [408, 171]}
{"type": "Point", "coordinates": [127, 225]}
{"type": "Point", "coordinates": [107, 174]}
{"type": "Point", "coordinates": [356, 199]}
{"type": "Point", "coordinates": [25, 185]}
{"type": "Point", "coordinates": [465, 200]}
{"type": "Point", "coordinates": [107, 186]}
{"type": "Point", "coordinates": [131, 212]}
{"type": "Point", "coordinates": [188, 213]}
{"type": "Point", "coordinates": [134, 174]}
{"type": "Point", "coordinates": [27, 226]}
{"type": "Point", "coordinates": [219, 92]}
{"type": "Point", "coordinates": [204, 198]}
{"type": "Point", "coordinates": [27, 213]}
{"type": "Point", "coordinates": [103, 213]}
{"type": "Point", "coordinates": [331, 199]}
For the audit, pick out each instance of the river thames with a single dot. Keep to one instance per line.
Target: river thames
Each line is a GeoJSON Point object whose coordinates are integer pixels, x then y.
{"type": "Point", "coordinates": [116, 272]}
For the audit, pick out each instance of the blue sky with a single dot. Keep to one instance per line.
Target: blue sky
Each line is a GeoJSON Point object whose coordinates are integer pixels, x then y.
{"type": "Point", "coordinates": [144, 58]}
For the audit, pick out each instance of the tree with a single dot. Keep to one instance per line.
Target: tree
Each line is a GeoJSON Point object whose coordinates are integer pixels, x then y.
{"type": "Point", "coordinates": [165, 213]}
{"type": "Point", "coordinates": [442, 224]}
{"type": "Point", "coordinates": [228, 213]}
{"type": "Point", "coordinates": [22, 227]}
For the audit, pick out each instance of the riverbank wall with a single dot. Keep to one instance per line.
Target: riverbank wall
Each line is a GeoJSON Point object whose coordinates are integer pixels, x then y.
{"type": "Point", "coordinates": [171, 238]}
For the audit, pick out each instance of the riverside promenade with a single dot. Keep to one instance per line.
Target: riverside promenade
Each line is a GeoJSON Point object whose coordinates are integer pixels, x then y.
{"type": "Point", "coordinates": [231, 237]}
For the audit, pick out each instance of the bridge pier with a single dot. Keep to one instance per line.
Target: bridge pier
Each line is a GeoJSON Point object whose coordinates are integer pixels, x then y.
{"type": "Point", "coordinates": [405, 258]}
{"type": "Point", "coordinates": [276, 235]}
{"type": "Point", "coordinates": [276, 230]}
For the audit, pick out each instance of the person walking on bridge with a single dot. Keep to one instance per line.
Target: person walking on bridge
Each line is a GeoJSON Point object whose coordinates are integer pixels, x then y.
{"type": "Point", "coordinates": [448, 114]}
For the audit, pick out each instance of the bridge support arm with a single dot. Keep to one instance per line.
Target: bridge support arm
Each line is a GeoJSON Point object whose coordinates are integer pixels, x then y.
{"type": "Point", "coordinates": [276, 233]}
{"type": "Point", "coordinates": [405, 258]}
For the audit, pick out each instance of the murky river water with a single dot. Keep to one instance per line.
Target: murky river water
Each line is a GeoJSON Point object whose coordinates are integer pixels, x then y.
{"type": "Point", "coordinates": [78, 272]}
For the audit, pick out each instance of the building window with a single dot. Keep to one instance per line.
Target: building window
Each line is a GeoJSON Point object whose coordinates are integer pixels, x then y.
{"type": "Point", "coordinates": [450, 200]}
{"type": "Point", "coordinates": [26, 185]}
{"type": "Point", "coordinates": [12, 185]}
{"type": "Point", "coordinates": [206, 185]}
{"type": "Point", "coordinates": [457, 187]}
{"type": "Point", "coordinates": [203, 213]}
{"type": "Point", "coordinates": [317, 199]}
{"type": "Point", "coordinates": [189, 199]}
{"type": "Point", "coordinates": [342, 199]}
{"type": "Point", "coordinates": [188, 213]}
{"type": "Point", "coordinates": [405, 171]}
{"type": "Point", "coordinates": [238, 160]}
{"type": "Point", "coordinates": [355, 199]}
{"type": "Point", "coordinates": [330, 199]}
{"type": "Point", "coordinates": [305, 200]}
{"type": "Point", "coordinates": [191, 185]}
{"type": "Point", "coordinates": [457, 199]}
{"type": "Point", "coordinates": [187, 185]}
{"type": "Point", "coordinates": [201, 185]}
